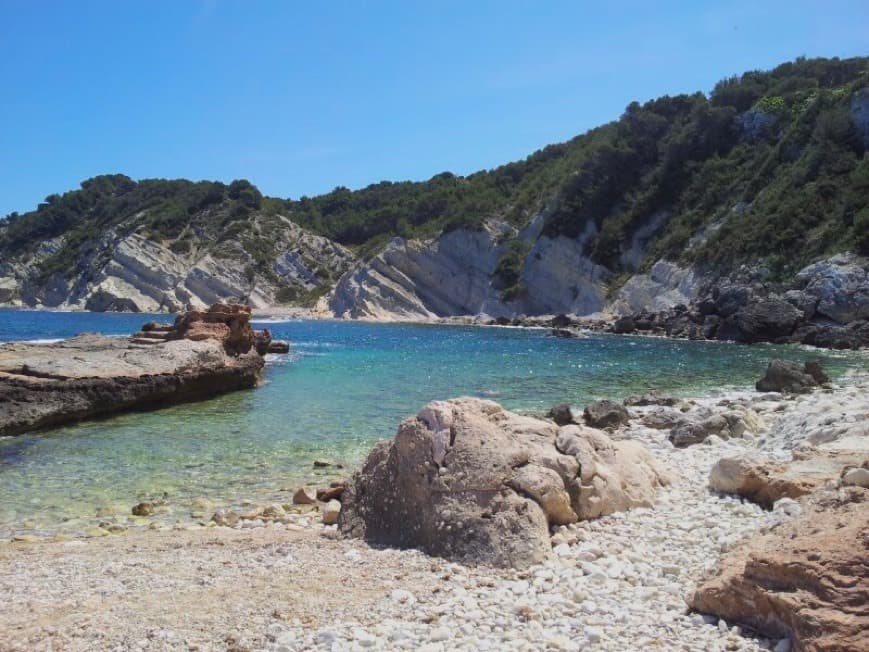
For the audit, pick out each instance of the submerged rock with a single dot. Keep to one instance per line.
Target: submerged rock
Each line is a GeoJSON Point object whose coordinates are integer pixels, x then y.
{"type": "Point", "coordinates": [467, 480]}
{"type": "Point", "coordinates": [304, 497]}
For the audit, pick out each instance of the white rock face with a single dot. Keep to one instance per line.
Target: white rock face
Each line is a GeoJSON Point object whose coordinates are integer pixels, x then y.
{"type": "Point", "coordinates": [665, 286]}
{"type": "Point", "coordinates": [560, 278]}
{"type": "Point", "coordinates": [414, 279]}
{"type": "Point", "coordinates": [132, 272]}
{"type": "Point", "coordinates": [453, 275]}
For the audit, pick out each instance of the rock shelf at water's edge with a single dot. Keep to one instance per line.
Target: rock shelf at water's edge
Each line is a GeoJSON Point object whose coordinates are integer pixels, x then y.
{"type": "Point", "coordinates": [203, 354]}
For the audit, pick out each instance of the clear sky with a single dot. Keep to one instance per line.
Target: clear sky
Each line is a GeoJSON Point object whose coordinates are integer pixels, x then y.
{"type": "Point", "coordinates": [302, 96]}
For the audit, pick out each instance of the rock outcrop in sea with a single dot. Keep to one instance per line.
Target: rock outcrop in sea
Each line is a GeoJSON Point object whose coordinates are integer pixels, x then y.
{"type": "Point", "coordinates": [203, 354]}
{"type": "Point", "coordinates": [467, 480]}
{"type": "Point", "coordinates": [826, 305]}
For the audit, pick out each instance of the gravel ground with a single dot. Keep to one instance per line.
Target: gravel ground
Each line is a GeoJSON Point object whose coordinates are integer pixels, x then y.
{"type": "Point", "coordinates": [617, 583]}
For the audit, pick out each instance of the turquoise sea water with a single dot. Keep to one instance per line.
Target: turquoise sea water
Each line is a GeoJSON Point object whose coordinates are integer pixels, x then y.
{"type": "Point", "coordinates": [343, 386]}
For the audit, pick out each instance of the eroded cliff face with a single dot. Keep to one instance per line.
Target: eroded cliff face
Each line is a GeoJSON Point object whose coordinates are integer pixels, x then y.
{"type": "Point", "coordinates": [455, 275]}
{"type": "Point", "coordinates": [129, 272]}
{"type": "Point", "coordinates": [450, 275]}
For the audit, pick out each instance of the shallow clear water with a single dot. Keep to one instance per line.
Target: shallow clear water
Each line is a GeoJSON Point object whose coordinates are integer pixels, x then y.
{"type": "Point", "coordinates": [343, 386]}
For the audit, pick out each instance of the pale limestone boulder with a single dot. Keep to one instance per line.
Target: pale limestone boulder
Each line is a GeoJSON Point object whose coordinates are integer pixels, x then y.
{"type": "Point", "coordinates": [467, 480]}
{"type": "Point", "coordinates": [614, 475]}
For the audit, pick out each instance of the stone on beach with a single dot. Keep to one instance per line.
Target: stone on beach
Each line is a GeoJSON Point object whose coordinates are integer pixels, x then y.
{"type": "Point", "coordinates": [808, 579]}
{"type": "Point", "coordinates": [561, 414]}
{"type": "Point", "coordinates": [304, 497]}
{"type": "Point", "coordinates": [331, 512]}
{"type": "Point", "coordinates": [606, 414]}
{"type": "Point", "coordinates": [791, 377]}
{"type": "Point", "coordinates": [467, 480]}
{"type": "Point", "coordinates": [143, 509]}
{"type": "Point", "coordinates": [767, 481]}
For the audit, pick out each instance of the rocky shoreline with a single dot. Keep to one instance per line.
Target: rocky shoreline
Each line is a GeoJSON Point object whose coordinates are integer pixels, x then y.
{"type": "Point", "coordinates": [204, 353]}
{"type": "Point", "coordinates": [625, 580]}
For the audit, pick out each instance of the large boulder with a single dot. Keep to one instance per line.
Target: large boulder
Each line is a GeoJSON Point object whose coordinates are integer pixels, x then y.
{"type": "Point", "coordinates": [808, 579]}
{"type": "Point", "coordinates": [790, 377]}
{"type": "Point", "coordinates": [467, 480]}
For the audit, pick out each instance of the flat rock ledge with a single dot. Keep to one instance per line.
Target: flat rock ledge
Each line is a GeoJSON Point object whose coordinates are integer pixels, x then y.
{"type": "Point", "coordinates": [467, 480]}
{"type": "Point", "coordinates": [203, 354]}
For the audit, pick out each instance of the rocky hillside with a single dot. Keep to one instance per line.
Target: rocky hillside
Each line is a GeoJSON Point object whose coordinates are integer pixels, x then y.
{"type": "Point", "coordinates": [158, 245]}
{"type": "Point", "coordinates": [763, 177]}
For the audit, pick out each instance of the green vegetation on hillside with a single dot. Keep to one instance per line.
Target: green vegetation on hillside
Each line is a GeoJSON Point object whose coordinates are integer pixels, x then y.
{"type": "Point", "coordinates": [769, 168]}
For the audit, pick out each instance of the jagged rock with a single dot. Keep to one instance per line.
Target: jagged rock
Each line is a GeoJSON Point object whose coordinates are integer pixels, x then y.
{"type": "Point", "coordinates": [90, 375]}
{"type": "Point", "coordinates": [568, 333]}
{"type": "Point", "coordinates": [278, 346]}
{"type": "Point", "coordinates": [808, 579]}
{"type": "Point", "coordinates": [606, 414]}
{"type": "Point", "coordinates": [561, 414]}
{"type": "Point", "coordinates": [696, 428]}
{"type": "Point", "coordinates": [665, 286]}
{"type": "Point", "coordinates": [789, 377]}
{"type": "Point", "coordinates": [624, 325]}
{"type": "Point", "coordinates": [814, 369]}
{"type": "Point", "coordinates": [467, 480]}
{"type": "Point", "coordinates": [839, 286]}
{"type": "Point", "coordinates": [229, 324]}
{"type": "Point", "coordinates": [663, 418]}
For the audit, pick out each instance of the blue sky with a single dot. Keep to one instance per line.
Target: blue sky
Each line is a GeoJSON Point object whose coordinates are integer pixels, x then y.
{"type": "Point", "coordinates": [299, 97]}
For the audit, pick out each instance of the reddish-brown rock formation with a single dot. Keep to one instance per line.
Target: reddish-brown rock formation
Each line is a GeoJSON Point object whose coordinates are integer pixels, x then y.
{"type": "Point", "coordinates": [808, 579]}
{"type": "Point", "coordinates": [201, 355]}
